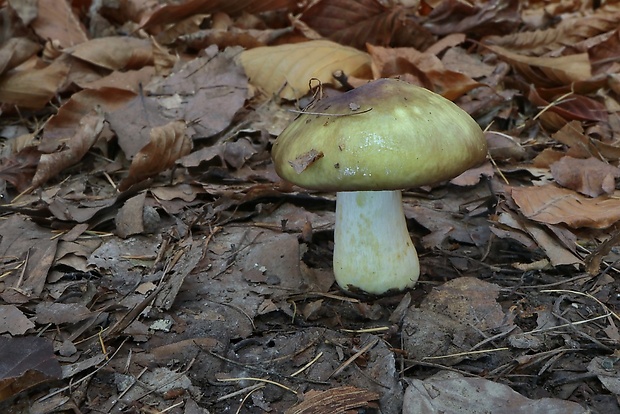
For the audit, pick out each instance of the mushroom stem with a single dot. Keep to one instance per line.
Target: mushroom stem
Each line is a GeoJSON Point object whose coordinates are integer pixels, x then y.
{"type": "Point", "coordinates": [372, 248]}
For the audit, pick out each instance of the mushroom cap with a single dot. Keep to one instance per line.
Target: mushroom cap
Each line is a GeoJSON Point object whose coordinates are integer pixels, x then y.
{"type": "Point", "coordinates": [385, 135]}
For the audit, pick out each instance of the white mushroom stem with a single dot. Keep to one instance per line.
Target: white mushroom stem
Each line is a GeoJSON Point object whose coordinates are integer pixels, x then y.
{"type": "Point", "coordinates": [372, 248]}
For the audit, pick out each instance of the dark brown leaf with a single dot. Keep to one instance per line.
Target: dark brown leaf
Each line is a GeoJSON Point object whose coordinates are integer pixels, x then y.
{"type": "Point", "coordinates": [24, 363]}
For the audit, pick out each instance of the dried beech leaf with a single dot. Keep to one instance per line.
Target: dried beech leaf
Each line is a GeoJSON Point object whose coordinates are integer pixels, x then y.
{"type": "Point", "coordinates": [67, 120]}
{"type": "Point", "coordinates": [478, 18]}
{"type": "Point", "coordinates": [286, 69]}
{"type": "Point", "coordinates": [168, 144]}
{"type": "Point", "coordinates": [548, 71]}
{"type": "Point", "coordinates": [567, 33]}
{"type": "Point", "coordinates": [427, 68]}
{"type": "Point", "coordinates": [115, 53]}
{"type": "Point", "coordinates": [57, 21]}
{"type": "Point", "coordinates": [579, 107]}
{"type": "Point", "coordinates": [591, 176]}
{"type": "Point", "coordinates": [359, 22]}
{"type": "Point", "coordinates": [554, 205]}
{"type": "Point", "coordinates": [172, 13]}
{"type": "Point", "coordinates": [301, 163]}
{"type": "Point", "coordinates": [20, 168]}
{"type": "Point", "coordinates": [32, 88]}
{"type": "Point", "coordinates": [15, 51]}
{"type": "Point", "coordinates": [75, 148]}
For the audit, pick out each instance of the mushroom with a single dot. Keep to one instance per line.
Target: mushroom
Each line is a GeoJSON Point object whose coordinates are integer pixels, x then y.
{"type": "Point", "coordinates": [368, 144]}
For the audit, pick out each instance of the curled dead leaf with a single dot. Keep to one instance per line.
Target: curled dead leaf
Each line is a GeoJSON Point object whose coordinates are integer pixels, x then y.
{"type": "Point", "coordinates": [32, 88]}
{"type": "Point", "coordinates": [168, 143]}
{"type": "Point", "coordinates": [74, 149]}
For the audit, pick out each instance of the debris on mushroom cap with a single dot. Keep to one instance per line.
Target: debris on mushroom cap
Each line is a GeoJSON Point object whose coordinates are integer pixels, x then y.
{"type": "Point", "coordinates": [385, 135]}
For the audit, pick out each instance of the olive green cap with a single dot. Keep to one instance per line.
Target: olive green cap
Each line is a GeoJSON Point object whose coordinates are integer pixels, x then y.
{"type": "Point", "coordinates": [385, 135]}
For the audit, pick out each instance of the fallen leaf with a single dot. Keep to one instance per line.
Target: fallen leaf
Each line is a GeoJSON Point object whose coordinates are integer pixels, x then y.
{"type": "Point", "coordinates": [554, 205]}
{"type": "Point", "coordinates": [427, 70]}
{"type": "Point", "coordinates": [569, 32]}
{"type": "Point", "coordinates": [66, 122]}
{"type": "Point", "coordinates": [548, 71]}
{"type": "Point", "coordinates": [24, 363]}
{"type": "Point", "coordinates": [20, 168]}
{"type": "Point", "coordinates": [590, 176]}
{"type": "Point", "coordinates": [168, 144]}
{"type": "Point", "coordinates": [358, 23]}
{"type": "Point", "coordinates": [115, 53]}
{"type": "Point", "coordinates": [170, 13]}
{"type": "Point", "coordinates": [473, 18]}
{"type": "Point", "coordinates": [285, 70]}
{"type": "Point", "coordinates": [50, 165]}
{"type": "Point", "coordinates": [453, 393]}
{"type": "Point", "coordinates": [60, 313]}
{"type": "Point", "coordinates": [32, 88]}
{"type": "Point", "coordinates": [56, 21]}
{"type": "Point", "coordinates": [15, 51]}
{"type": "Point", "coordinates": [13, 321]}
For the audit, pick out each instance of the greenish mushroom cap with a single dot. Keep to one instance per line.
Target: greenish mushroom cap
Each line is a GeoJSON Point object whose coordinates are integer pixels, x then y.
{"type": "Point", "coordinates": [385, 135]}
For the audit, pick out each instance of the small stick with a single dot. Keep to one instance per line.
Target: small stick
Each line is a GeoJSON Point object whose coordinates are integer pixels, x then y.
{"type": "Point", "coordinates": [354, 357]}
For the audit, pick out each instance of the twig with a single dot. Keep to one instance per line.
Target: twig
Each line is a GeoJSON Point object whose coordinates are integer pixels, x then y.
{"type": "Point", "coordinates": [259, 380]}
{"type": "Point", "coordinates": [247, 396]}
{"type": "Point", "coordinates": [239, 392]}
{"type": "Point", "coordinates": [308, 365]}
{"type": "Point", "coordinates": [574, 292]}
{"type": "Point", "coordinates": [346, 363]}
{"type": "Point", "coordinates": [58, 391]}
{"type": "Point", "coordinates": [265, 371]}
{"type": "Point", "coordinates": [460, 354]}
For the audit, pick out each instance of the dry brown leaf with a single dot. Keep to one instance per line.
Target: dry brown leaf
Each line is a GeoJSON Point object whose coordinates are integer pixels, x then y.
{"type": "Point", "coordinates": [168, 144]}
{"type": "Point", "coordinates": [573, 137]}
{"type": "Point", "coordinates": [32, 88]}
{"type": "Point", "coordinates": [554, 205]}
{"type": "Point", "coordinates": [605, 56]}
{"type": "Point", "coordinates": [568, 108]}
{"type": "Point", "coordinates": [172, 13]}
{"type": "Point", "coordinates": [286, 69]}
{"type": "Point", "coordinates": [590, 176]}
{"type": "Point", "coordinates": [427, 70]}
{"type": "Point", "coordinates": [75, 148]}
{"type": "Point", "coordinates": [567, 33]}
{"type": "Point", "coordinates": [127, 81]}
{"type": "Point", "coordinates": [548, 71]}
{"type": "Point", "coordinates": [358, 22]}
{"type": "Point", "coordinates": [67, 121]}
{"type": "Point", "coordinates": [15, 51]}
{"type": "Point", "coordinates": [20, 168]}
{"type": "Point", "coordinates": [57, 22]}
{"type": "Point", "coordinates": [478, 18]}
{"type": "Point", "coordinates": [115, 53]}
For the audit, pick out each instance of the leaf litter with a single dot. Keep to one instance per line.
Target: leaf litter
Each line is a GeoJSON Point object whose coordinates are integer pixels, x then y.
{"type": "Point", "coordinates": [150, 257]}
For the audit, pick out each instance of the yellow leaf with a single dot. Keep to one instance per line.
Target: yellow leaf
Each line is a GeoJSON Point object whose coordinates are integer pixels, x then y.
{"type": "Point", "coordinates": [286, 69]}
